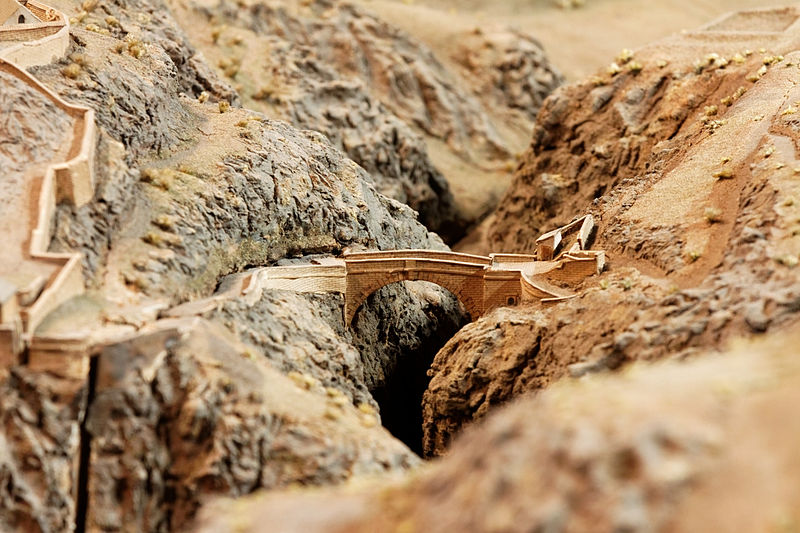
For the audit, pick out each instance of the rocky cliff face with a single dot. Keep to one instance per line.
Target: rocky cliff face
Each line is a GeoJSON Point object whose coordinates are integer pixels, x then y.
{"type": "Point", "coordinates": [663, 448]}
{"type": "Point", "coordinates": [636, 120]}
{"type": "Point", "coordinates": [684, 152]}
{"type": "Point", "coordinates": [378, 95]}
{"type": "Point", "coordinates": [246, 395]}
{"type": "Point", "coordinates": [186, 412]}
{"type": "Point", "coordinates": [41, 416]}
{"type": "Point", "coordinates": [165, 386]}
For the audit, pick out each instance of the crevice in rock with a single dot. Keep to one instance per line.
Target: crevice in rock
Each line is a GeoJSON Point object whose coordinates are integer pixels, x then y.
{"type": "Point", "coordinates": [399, 393]}
{"type": "Point", "coordinates": [82, 491]}
{"type": "Point", "coordinates": [400, 399]}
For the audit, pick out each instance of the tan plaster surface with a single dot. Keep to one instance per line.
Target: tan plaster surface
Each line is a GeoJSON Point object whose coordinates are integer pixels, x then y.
{"type": "Point", "coordinates": [30, 199]}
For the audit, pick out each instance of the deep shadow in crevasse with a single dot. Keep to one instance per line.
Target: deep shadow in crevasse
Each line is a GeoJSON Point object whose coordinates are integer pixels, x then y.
{"type": "Point", "coordinates": [400, 396]}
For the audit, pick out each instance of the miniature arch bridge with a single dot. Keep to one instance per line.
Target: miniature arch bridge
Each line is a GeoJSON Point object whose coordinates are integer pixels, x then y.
{"type": "Point", "coordinates": [480, 283]}
{"type": "Point", "coordinates": [461, 274]}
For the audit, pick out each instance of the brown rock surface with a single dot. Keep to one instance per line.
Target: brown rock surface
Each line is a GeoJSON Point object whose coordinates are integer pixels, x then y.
{"type": "Point", "coordinates": [181, 388]}
{"type": "Point", "coordinates": [193, 194]}
{"type": "Point", "coordinates": [40, 443]}
{"type": "Point", "coordinates": [693, 183]}
{"type": "Point", "coordinates": [381, 97]}
{"type": "Point", "coordinates": [186, 412]}
{"type": "Point", "coordinates": [577, 40]}
{"type": "Point", "coordinates": [661, 117]}
{"type": "Point", "coordinates": [707, 445]}
{"type": "Point", "coordinates": [188, 192]}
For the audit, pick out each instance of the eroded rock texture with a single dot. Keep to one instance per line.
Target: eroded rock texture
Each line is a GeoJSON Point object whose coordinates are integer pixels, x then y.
{"type": "Point", "coordinates": [264, 394]}
{"type": "Point", "coordinates": [187, 412]}
{"type": "Point", "coordinates": [691, 163]}
{"type": "Point", "coordinates": [633, 127]}
{"type": "Point", "coordinates": [377, 94]}
{"type": "Point", "coordinates": [198, 391]}
{"type": "Point", "coordinates": [664, 448]}
{"type": "Point", "coordinates": [40, 443]}
{"type": "Point", "coordinates": [510, 71]}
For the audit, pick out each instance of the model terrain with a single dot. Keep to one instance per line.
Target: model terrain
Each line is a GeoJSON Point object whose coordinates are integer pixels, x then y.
{"type": "Point", "coordinates": [399, 266]}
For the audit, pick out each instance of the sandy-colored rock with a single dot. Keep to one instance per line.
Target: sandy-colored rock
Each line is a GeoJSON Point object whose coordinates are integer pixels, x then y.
{"type": "Point", "coordinates": [187, 192]}
{"type": "Point", "coordinates": [186, 412]}
{"type": "Point", "coordinates": [185, 388]}
{"type": "Point", "coordinates": [671, 110]}
{"type": "Point", "coordinates": [305, 334]}
{"type": "Point", "coordinates": [692, 181]}
{"type": "Point", "coordinates": [384, 99]}
{"type": "Point", "coordinates": [238, 191]}
{"type": "Point", "coordinates": [510, 70]}
{"type": "Point", "coordinates": [41, 441]}
{"type": "Point", "coordinates": [673, 447]}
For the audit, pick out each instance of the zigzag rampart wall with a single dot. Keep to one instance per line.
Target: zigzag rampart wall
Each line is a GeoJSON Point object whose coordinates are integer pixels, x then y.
{"type": "Point", "coordinates": [69, 181]}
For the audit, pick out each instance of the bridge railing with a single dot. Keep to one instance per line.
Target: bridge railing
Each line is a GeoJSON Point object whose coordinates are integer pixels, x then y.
{"type": "Point", "coordinates": [420, 254]}
{"type": "Point", "coordinates": [43, 12]}
{"type": "Point", "coordinates": [391, 264]}
{"type": "Point", "coordinates": [513, 258]}
{"type": "Point", "coordinates": [299, 278]}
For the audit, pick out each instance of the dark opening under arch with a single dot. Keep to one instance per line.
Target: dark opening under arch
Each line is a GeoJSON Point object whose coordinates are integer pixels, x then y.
{"type": "Point", "coordinates": [451, 283]}
{"type": "Point", "coordinates": [21, 19]}
{"type": "Point", "coordinates": [400, 395]}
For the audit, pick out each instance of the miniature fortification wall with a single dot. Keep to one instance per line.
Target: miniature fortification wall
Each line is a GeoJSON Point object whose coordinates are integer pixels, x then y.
{"type": "Point", "coordinates": [29, 45]}
{"type": "Point", "coordinates": [70, 181]}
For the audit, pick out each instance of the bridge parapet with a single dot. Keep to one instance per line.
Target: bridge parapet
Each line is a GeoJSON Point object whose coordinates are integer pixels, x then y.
{"type": "Point", "coordinates": [420, 254]}
{"type": "Point", "coordinates": [499, 259]}
{"type": "Point", "coordinates": [377, 266]}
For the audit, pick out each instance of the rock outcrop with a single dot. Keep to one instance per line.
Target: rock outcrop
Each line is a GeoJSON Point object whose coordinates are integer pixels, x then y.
{"type": "Point", "coordinates": [377, 94]}
{"type": "Point", "coordinates": [686, 159]}
{"type": "Point", "coordinates": [40, 436]}
{"type": "Point", "coordinates": [636, 121]}
{"type": "Point", "coordinates": [158, 414]}
{"type": "Point", "coordinates": [176, 378]}
{"type": "Point", "coordinates": [671, 447]}
{"type": "Point", "coordinates": [186, 412]}
{"type": "Point", "coordinates": [511, 70]}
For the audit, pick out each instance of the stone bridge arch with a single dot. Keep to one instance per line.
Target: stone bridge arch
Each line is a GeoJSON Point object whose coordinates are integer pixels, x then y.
{"type": "Point", "coordinates": [365, 276]}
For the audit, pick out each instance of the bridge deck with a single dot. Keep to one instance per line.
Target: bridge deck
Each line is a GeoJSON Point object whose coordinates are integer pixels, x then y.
{"type": "Point", "coordinates": [539, 288]}
{"type": "Point", "coordinates": [420, 254]}
{"type": "Point", "coordinates": [388, 265]}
